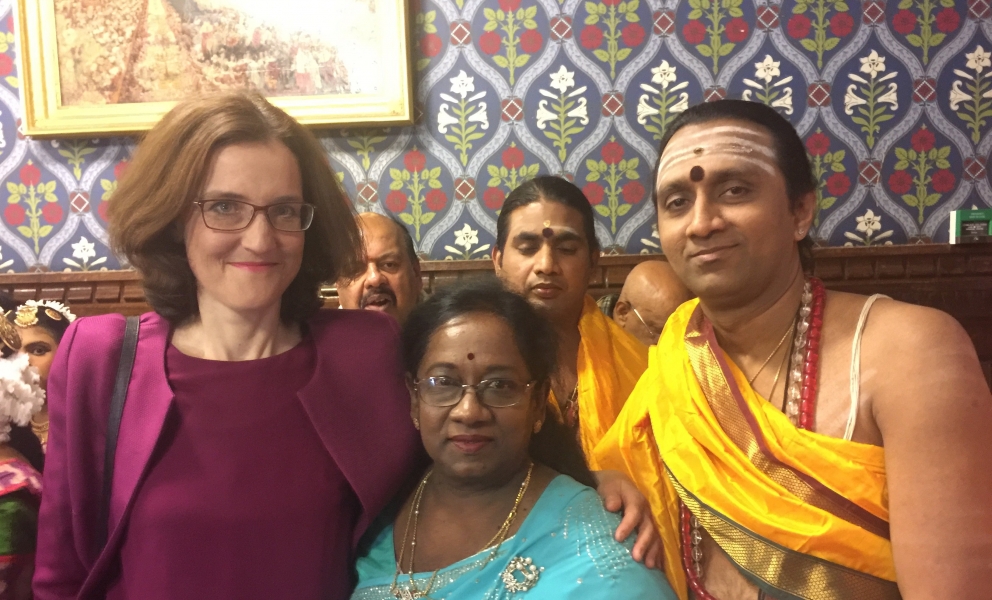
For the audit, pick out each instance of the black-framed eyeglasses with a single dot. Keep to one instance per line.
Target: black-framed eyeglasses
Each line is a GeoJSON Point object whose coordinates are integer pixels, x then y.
{"type": "Point", "coordinates": [235, 215]}
{"type": "Point", "coordinates": [494, 393]}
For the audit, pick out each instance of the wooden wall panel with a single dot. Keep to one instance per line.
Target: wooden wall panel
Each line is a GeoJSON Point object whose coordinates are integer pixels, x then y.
{"type": "Point", "coordinates": [955, 279]}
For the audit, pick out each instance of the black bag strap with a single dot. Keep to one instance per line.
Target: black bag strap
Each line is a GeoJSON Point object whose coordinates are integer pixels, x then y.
{"type": "Point", "coordinates": [114, 425]}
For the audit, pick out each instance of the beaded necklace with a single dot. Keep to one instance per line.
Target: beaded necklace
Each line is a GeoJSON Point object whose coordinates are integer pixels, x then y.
{"type": "Point", "coordinates": [800, 408]}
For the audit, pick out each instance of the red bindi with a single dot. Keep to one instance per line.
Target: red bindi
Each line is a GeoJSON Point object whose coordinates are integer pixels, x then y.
{"type": "Point", "coordinates": [548, 232]}
{"type": "Point", "coordinates": [471, 356]}
{"type": "Point", "coordinates": [696, 173]}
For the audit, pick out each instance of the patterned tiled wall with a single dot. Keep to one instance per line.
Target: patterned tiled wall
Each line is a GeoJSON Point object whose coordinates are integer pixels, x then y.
{"type": "Point", "coordinates": [894, 100]}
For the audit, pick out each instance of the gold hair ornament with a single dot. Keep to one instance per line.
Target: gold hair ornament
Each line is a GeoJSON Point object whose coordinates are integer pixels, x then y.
{"type": "Point", "coordinates": [27, 313]}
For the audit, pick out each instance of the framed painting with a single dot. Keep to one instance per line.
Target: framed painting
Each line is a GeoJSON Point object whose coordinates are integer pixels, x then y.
{"type": "Point", "coordinates": [116, 66]}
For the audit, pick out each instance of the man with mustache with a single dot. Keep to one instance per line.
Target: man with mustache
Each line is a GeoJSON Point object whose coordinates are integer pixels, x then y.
{"type": "Point", "coordinates": [391, 282]}
{"type": "Point", "coordinates": [796, 442]}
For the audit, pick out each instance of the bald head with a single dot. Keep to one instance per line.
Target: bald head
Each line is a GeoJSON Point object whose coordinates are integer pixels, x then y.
{"type": "Point", "coordinates": [391, 281]}
{"type": "Point", "coordinates": [650, 294]}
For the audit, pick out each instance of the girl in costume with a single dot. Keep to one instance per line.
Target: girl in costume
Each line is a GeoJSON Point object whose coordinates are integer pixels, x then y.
{"type": "Point", "coordinates": [21, 396]}
{"type": "Point", "coordinates": [41, 324]}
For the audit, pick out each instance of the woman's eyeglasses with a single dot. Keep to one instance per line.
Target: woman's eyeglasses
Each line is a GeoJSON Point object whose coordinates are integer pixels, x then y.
{"type": "Point", "coordinates": [235, 215]}
{"type": "Point", "coordinates": [494, 393]}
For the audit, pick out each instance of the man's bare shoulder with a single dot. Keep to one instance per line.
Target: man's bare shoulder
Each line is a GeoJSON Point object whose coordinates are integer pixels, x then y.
{"type": "Point", "coordinates": [910, 328]}
{"type": "Point", "coordinates": [917, 356]}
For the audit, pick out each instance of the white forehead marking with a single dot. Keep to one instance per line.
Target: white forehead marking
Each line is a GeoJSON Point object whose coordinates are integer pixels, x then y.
{"type": "Point", "coordinates": [733, 145]}
{"type": "Point", "coordinates": [738, 148]}
{"type": "Point", "coordinates": [685, 139]}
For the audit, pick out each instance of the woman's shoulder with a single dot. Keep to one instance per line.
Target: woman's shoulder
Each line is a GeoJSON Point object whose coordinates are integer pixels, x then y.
{"type": "Point", "coordinates": [97, 339]}
{"type": "Point", "coordinates": [575, 501]}
{"type": "Point", "coordinates": [586, 548]}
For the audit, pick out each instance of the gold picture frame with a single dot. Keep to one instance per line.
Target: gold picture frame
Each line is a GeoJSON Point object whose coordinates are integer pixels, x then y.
{"type": "Point", "coordinates": [108, 91]}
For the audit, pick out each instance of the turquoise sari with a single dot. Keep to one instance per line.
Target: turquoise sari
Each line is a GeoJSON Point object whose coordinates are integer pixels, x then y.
{"type": "Point", "coordinates": [566, 540]}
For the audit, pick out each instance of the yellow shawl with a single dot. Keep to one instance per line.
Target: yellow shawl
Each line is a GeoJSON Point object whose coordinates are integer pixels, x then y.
{"type": "Point", "coordinates": [796, 511]}
{"type": "Point", "coordinates": [610, 362]}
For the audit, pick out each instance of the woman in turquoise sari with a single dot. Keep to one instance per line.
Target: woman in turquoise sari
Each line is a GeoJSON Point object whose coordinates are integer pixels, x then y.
{"type": "Point", "coordinates": [507, 509]}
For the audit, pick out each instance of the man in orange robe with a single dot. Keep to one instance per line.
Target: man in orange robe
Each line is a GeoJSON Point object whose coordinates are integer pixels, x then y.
{"type": "Point", "coordinates": [796, 443]}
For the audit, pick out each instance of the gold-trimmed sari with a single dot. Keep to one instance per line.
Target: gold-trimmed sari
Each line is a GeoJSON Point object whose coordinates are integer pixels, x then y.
{"type": "Point", "coordinates": [610, 361]}
{"type": "Point", "coordinates": [800, 514]}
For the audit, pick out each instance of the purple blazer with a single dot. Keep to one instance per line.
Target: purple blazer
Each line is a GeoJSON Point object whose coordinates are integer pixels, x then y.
{"type": "Point", "coordinates": [356, 400]}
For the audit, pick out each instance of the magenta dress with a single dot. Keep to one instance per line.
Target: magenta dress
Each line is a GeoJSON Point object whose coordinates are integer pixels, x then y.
{"type": "Point", "coordinates": [253, 474]}
{"type": "Point", "coordinates": [232, 479]}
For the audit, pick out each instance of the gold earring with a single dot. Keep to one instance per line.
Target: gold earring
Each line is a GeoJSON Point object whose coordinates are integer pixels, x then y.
{"type": "Point", "coordinates": [801, 232]}
{"type": "Point", "coordinates": [416, 424]}
{"type": "Point", "coordinates": [537, 426]}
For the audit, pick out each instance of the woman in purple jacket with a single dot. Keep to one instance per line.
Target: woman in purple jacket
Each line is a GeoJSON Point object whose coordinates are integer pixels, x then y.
{"type": "Point", "coordinates": [259, 435]}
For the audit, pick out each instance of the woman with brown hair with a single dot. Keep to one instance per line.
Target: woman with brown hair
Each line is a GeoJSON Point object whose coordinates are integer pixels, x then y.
{"type": "Point", "coordinates": [259, 435]}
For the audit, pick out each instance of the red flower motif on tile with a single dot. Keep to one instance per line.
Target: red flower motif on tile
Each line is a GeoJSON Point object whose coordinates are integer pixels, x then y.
{"type": "Point", "coordinates": [489, 42]}
{"type": "Point", "coordinates": [508, 5]}
{"type": "Point", "coordinates": [594, 193]}
{"type": "Point", "coordinates": [512, 157]}
{"type": "Point", "coordinates": [737, 30]}
{"type": "Point", "coordinates": [531, 41]}
{"type": "Point", "coordinates": [838, 184]}
{"type": "Point", "coordinates": [900, 182]}
{"type": "Point", "coordinates": [633, 192]}
{"type": "Point", "coordinates": [694, 32]}
{"type": "Point", "coordinates": [435, 200]}
{"type": "Point", "coordinates": [29, 174]}
{"type": "Point", "coordinates": [632, 34]}
{"type": "Point", "coordinates": [948, 20]}
{"type": "Point", "coordinates": [414, 161]}
{"type": "Point", "coordinates": [841, 24]}
{"type": "Point", "coordinates": [818, 144]}
{"type": "Point", "coordinates": [943, 181]}
{"type": "Point", "coordinates": [904, 22]}
{"type": "Point", "coordinates": [14, 215]}
{"type": "Point", "coordinates": [430, 45]}
{"type": "Point", "coordinates": [799, 26]}
{"type": "Point", "coordinates": [51, 212]}
{"type": "Point", "coordinates": [612, 153]}
{"type": "Point", "coordinates": [396, 201]}
{"type": "Point", "coordinates": [6, 65]}
{"type": "Point", "coordinates": [923, 140]}
{"type": "Point", "coordinates": [493, 198]}
{"type": "Point", "coordinates": [591, 37]}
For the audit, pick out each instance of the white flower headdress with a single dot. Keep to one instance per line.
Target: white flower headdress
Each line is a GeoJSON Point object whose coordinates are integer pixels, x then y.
{"type": "Point", "coordinates": [26, 314]}
{"type": "Point", "coordinates": [21, 394]}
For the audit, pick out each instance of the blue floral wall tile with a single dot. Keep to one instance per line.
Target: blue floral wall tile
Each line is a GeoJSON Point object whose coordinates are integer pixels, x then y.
{"type": "Point", "coordinates": [893, 100]}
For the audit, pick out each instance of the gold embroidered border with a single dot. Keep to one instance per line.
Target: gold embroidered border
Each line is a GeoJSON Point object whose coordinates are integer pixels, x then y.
{"type": "Point", "coordinates": [719, 387]}
{"type": "Point", "coordinates": [783, 573]}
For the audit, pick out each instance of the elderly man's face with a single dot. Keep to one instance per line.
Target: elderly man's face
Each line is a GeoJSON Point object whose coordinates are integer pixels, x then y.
{"type": "Point", "coordinates": [391, 281]}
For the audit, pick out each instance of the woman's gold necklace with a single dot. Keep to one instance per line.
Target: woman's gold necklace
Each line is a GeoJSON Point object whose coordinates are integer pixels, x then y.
{"type": "Point", "coordinates": [412, 592]}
